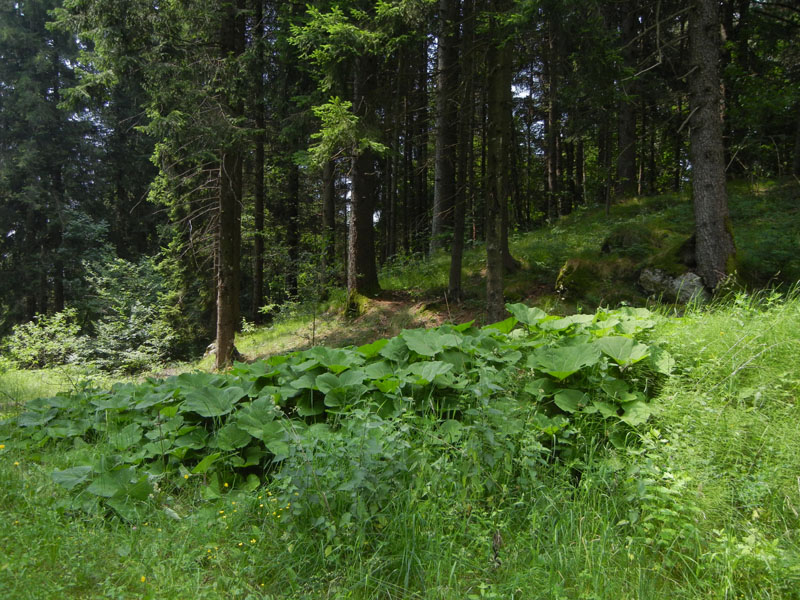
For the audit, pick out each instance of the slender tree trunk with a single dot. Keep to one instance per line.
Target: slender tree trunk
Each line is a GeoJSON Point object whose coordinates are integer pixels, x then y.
{"type": "Point", "coordinates": [714, 238]}
{"type": "Point", "coordinates": [626, 119]}
{"type": "Point", "coordinates": [229, 210]}
{"type": "Point", "coordinates": [499, 85]}
{"type": "Point", "coordinates": [228, 257]}
{"type": "Point", "coordinates": [362, 272]}
{"type": "Point", "coordinates": [796, 161]}
{"type": "Point", "coordinates": [293, 229]}
{"type": "Point", "coordinates": [465, 127]}
{"type": "Point", "coordinates": [580, 173]}
{"type": "Point", "coordinates": [421, 142]}
{"type": "Point", "coordinates": [328, 219]}
{"type": "Point", "coordinates": [258, 201]}
{"type": "Point", "coordinates": [552, 125]}
{"type": "Point", "coordinates": [446, 122]}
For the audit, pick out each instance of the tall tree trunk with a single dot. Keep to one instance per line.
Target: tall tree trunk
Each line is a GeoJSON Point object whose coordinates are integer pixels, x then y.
{"type": "Point", "coordinates": [446, 122]}
{"type": "Point", "coordinates": [293, 229]}
{"type": "Point", "coordinates": [553, 123]}
{"type": "Point", "coordinates": [498, 59]}
{"type": "Point", "coordinates": [328, 220]}
{"type": "Point", "coordinates": [626, 118]}
{"type": "Point", "coordinates": [228, 256]}
{"type": "Point", "coordinates": [580, 173]}
{"type": "Point", "coordinates": [421, 143]}
{"type": "Point", "coordinates": [465, 127]}
{"type": "Point", "coordinates": [258, 204]}
{"type": "Point", "coordinates": [229, 208]}
{"type": "Point", "coordinates": [796, 161]}
{"type": "Point", "coordinates": [714, 238]}
{"type": "Point", "coordinates": [362, 272]}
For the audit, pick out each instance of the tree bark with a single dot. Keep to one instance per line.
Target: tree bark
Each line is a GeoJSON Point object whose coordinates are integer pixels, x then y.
{"type": "Point", "coordinates": [328, 219]}
{"type": "Point", "coordinates": [498, 58]}
{"type": "Point", "coordinates": [228, 244]}
{"type": "Point", "coordinates": [228, 257]}
{"type": "Point", "coordinates": [626, 119]}
{"type": "Point", "coordinates": [714, 238]}
{"type": "Point", "coordinates": [362, 272]}
{"type": "Point", "coordinates": [796, 161]}
{"type": "Point", "coordinates": [446, 122]}
{"type": "Point", "coordinates": [465, 127]}
{"type": "Point", "coordinates": [258, 204]}
{"type": "Point", "coordinates": [293, 229]}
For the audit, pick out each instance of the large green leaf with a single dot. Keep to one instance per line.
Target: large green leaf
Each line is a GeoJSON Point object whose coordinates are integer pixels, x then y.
{"type": "Point", "coordinates": [618, 389]}
{"type": "Point", "coordinates": [254, 416]}
{"type": "Point", "coordinates": [563, 361]}
{"type": "Point", "coordinates": [309, 405]}
{"type": "Point", "coordinates": [429, 342]}
{"type": "Point", "coordinates": [504, 326]}
{"type": "Point", "coordinates": [230, 437]}
{"type": "Point", "coordinates": [636, 412]}
{"type": "Point", "coordinates": [623, 350]}
{"type": "Point", "coordinates": [126, 437]}
{"type": "Point", "coordinates": [112, 482]}
{"type": "Point", "coordinates": [541, 388]}
{"type": "Point", "coordinates": [204, 465]}
{"type": "Point", "coordinates": [526, 315]}
{"type": "Point", "coordinates": [379, 370]}
{"type": "Point", "coordinates": [423, 373]}
{"type": "Point", "coordinates": [212, 402]}
{"type": "Point", "coordinates": [195, 439]}
{"type": "Point", "coordinates": [570, 400]}
{"type": "Point", "coordinates": [336, 360]}
{"type": "Point", "coordinates": [556, 324]}
{"type": "Point", "coordinates": [395, 350]}
{"type": "Point", "coordinates": [662, 361]}
{"type": "Point", "coordinates": [372, 350]}
{"type": "Point", "coordinates": [71, 477]}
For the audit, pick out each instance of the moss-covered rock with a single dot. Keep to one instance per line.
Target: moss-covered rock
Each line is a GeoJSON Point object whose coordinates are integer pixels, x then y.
{"type": "Point", "coordinates": [605, 280]}
{"type": "Point", "coordinates": [634, 240]}
{"type": "Point", "coordinates": [676, 258]}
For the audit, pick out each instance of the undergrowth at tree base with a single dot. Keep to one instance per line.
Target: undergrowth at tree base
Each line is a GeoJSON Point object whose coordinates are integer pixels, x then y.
{"type": "Point", "coordinates": [449, 463]}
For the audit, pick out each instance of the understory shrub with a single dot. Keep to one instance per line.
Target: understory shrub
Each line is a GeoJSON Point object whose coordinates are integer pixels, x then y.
{"type": "Point", "coordinates": [501, 400]}
{"type": "Point", "coordinates": [48, 340]}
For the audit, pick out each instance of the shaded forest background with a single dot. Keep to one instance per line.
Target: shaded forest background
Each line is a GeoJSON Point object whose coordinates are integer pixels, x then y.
{"type": "Point", "coordinates": [167, 168]}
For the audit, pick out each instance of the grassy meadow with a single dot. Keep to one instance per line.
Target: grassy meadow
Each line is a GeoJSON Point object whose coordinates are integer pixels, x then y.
{"type": "Point", "coordinates": [505, 495]}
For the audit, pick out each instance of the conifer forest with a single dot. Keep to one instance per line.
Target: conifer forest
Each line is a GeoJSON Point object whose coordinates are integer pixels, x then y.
{"type": "Point", "coordinates": [177, 166]}
{"type": "Point", "coordinates": [400, 299]}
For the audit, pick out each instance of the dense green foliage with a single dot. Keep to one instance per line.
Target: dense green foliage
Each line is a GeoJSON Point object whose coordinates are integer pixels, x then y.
{"type": "Point", "coordinates": [700, 502]}
{"type": "Point", "coordinates": [234, 428]}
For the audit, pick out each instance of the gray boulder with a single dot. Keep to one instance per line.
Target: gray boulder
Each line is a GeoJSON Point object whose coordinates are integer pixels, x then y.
{"type": "Point", "coordinates": [684, 288]}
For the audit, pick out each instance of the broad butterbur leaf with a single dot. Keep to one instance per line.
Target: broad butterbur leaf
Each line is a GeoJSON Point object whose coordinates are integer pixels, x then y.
{"type": "Point", "coordinates": [526, 315]}
{"type": "Point", "coordinates": [623, 350]}
{"type": "Point", "coordinates": [212, 402]}
{"type": "Point", "coordinates": [563, 361]}
{"type": "Point", "coordinates": [69, 478]}
{"type": "Point", "coordinates": [570, 400]}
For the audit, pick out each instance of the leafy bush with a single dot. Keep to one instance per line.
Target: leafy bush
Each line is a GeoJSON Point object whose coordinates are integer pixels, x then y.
{"type": "Point", "coordinates": [48, 340]}
{"type": "Point", "coordinates": [553, 378]}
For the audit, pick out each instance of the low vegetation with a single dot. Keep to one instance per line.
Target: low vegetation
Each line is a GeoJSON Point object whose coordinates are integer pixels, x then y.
{"type": "Point", "coordinates": [608, 453]}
